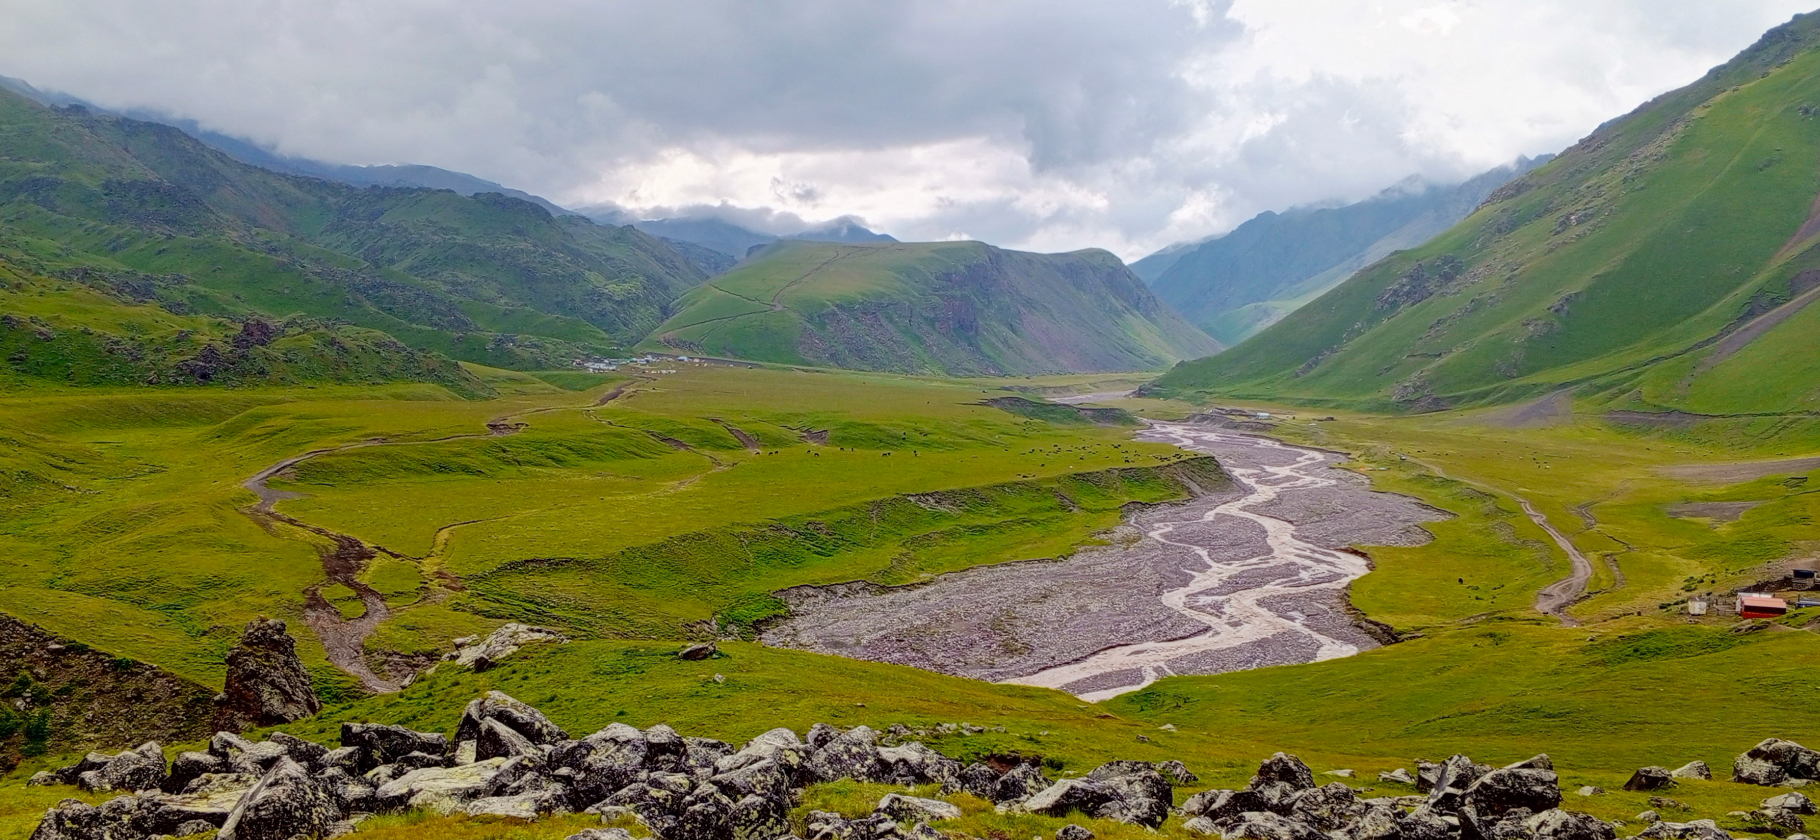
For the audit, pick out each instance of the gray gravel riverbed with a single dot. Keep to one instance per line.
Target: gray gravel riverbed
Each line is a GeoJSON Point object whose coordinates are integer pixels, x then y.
{"type": "Point", "coordinates": [1245, 578]}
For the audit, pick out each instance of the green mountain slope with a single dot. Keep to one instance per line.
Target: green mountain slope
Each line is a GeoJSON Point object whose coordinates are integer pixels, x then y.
{"type": "Point", "coordinates": [90, 329]}
{"type": "Point", "coordinates": [486, 278]}
{"type": "Point", "coordinates": [1237, 284]}
{"type": "Point", "coordinates": [1664, 262]}
{"type": "Point", "coordinates": [959, 308]}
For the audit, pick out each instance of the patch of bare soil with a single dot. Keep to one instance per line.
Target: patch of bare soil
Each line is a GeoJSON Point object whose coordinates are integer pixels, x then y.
{"type": "Point", "coordinates": [1716, 511]}
{"type": "Point", "coordinates": [1553, 410]}
{"type": "Point", "coordinates": [1739, 471]}
{"type": "Point", "coordinates": [745, 438]}
{"type": "Point", "coordinates": [1248, 577]}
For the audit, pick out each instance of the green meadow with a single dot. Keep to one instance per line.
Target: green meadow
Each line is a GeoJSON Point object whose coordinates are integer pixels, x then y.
{"type": "Point", "coordinates": [636, 511]}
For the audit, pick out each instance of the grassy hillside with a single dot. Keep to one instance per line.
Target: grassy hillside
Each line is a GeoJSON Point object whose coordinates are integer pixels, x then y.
{"type": "Point", "coordinates": [90, 330]}
{"type": "Point", "coordinates": [962, 308]}
{"type": "Point", "coordinates": [1664, 262]}
{"type": "Point", "coordinates": [486, 278]}
{"type": "Point", "coordinates": [127, 526]}
{"type": "Point", "coordinates": [1237, 284]}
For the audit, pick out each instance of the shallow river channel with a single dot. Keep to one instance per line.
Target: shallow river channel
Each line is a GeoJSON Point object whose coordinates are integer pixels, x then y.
{"type": "Point", "coordinates": [1240, 577]}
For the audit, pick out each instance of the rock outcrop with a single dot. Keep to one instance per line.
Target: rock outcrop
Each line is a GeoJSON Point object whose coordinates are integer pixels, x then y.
{"type": "Point", "coordinates": [1465, 800]}
{"type": "Point", "coordinates": [509, 760]}
{"type": "Point", "coordinates": [267, 684]}
{"type": "Point", "coordinates": [479, 653]}
{"type": "Point", "coordinates": [1650, 778]}
{"type": "Point", "coordinates": [1775, 761]}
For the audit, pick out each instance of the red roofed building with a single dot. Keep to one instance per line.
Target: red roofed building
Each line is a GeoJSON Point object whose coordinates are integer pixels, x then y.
{"type": "Point", "coordinates": [1759, 605]}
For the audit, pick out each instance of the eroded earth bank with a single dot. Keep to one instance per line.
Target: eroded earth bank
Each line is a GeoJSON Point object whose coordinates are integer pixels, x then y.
{"type": "Point", "coordinates": [1245, 577]}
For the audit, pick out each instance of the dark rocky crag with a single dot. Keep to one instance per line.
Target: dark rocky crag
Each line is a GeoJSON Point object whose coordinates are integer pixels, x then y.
{"type": "Point", "coordinates": [267, 684]}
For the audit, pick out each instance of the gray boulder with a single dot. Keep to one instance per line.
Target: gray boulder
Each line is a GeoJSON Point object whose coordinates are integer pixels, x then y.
{"type": "Point", "coordinates": [601, 834]}
{"type": "Point", "coordinates": [1693, 770]}
{"type": "Point", "coordinates": [1777, 821]}
{"type": "Point", "coordinates": [759, 818]}
{"type": "Point", "coordinates": [666, 751]}
{"type": "Point", "coordinates": [1794, 802]}
{"type": "Point", "coordinates": [987, 782]}
{"type": "Point", "coordinates": [698, 652]}
{"type": "Point", "coordinates": [764, 779]}
{"type": "Point", "coordinates": [220, 782]}
{"type": "Point", "coordinates": [1285, 769]}
{"type": "Point", "coordinates": [266, 682]}
{"type": "Point", "coordinates": [73, 819]}
{"type": "Point", "coordinates": [1530, 785]}
{"type": "Point", "coordinates": [779, 746]}
{"type": "Point", "coordinates": [140, 768]}
{"type": "Point", "coordinates": [1141, 795]}
{"type": "Point", "coordinates": [284, 804]}
{"type": "Point", "coordinates": [853, 754]}
{"type": "Point", "coordinates": [824, 825]}
{"type": "Point", "coordinates": [166, 813]}
{"type": "Point", "coordinates": [382, 744]}
{"type": "Point", "coordinates": [1448, 782]}
{"type": "Point", "coordinates": [602, 763]}
{"type": "Point", "coordinates": [917, 809]}
{"type": "Point", "coordinates": [1775, 761]}
{"type": "Point", "coordinates": [1018, 783]}
{"type": "Point", "coordinates": [190, 766]}
{"type": "Point", "coordinates": [1073, 832]}
{"type": "Point", "coordinates": [1692, 830]}
{"type": "Point", "coordinates": [478, 653]}
{"type": "Point", "coordinates": [352, 794]}
{"type": "Point", "coordinates": [1328, 808]}
{"type": "Point", "coordinates": [1378, 822]}
{"type": "Point", "coordinates": [1256, 825]}
{"type": "Point", "coordinates": [916, 764]}
{"type": "Point", "coordinates": [1177, 772]}
{"type": "Point", "coordinates": [1398, 776]}
{"type": "Point", "coordinates": [517, 716]}
{"type": "Point", "coordinates": [1650, 778]}
{"type": "Point", "coordinates": [1069, 796]}
{"type": "Point", "coordinates": [524, 805]}
{"type": "Point", "coordinates": [496, 740]}
{"type": "Point", "coordinates": [441, 789]}
{"type": "Point", "coordinates": [1557, 824]}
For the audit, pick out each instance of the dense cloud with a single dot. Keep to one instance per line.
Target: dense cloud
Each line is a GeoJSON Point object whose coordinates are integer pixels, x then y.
{"type": "Point", "coordinates": [1048, 124]}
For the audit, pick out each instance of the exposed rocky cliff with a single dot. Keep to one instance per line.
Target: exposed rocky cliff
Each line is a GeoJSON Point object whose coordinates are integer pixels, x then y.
{"type": "Point", "coordinates": [59, 694]}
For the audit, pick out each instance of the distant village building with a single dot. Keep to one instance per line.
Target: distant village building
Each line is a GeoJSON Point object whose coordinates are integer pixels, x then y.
{"type": "Point", "coordinates": [1696, 606]}
{"type": "Point", "coordinates": [1761, 605]}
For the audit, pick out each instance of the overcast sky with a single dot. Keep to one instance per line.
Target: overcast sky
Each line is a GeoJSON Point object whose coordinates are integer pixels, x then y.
{"type": "Point", "coordinates": [1040, 124]}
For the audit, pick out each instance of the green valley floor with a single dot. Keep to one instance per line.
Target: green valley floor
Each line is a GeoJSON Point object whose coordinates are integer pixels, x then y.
{"type": "Point", "coordinates": [635, 512]}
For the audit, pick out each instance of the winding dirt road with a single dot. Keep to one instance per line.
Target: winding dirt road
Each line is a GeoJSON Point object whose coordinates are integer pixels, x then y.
{"type": "Point", "coordinates": [1555, 598]}
{"type": "Point", "coordinates": [343, 639]}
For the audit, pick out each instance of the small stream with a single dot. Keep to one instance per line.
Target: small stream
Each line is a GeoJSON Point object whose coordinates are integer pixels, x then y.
{"type": "Point", "coordinates": [1247, 616]}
